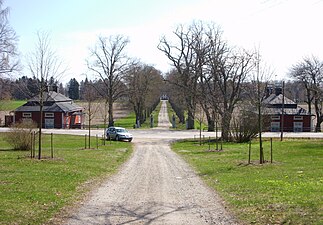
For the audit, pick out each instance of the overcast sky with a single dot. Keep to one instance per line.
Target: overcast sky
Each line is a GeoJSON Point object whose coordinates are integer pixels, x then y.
{"type": "Point", "coordinates": [284, 30]}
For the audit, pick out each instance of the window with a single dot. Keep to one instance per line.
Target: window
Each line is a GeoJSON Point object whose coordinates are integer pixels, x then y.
{"type": "Point", "coordinates": [49, 123]}
{"type": "Point", "coordinates": [298, 126]}
{"type": "Point", "coordinates": [275, 126]}
{"type": "Point", "coordinates": [26, 115]}
{"type": "Point", "coordinates": [49, 114]}
{"type": "Point", "coordinates": [298, 117]}
{"type": "Point", "coordinates": [275, 117]}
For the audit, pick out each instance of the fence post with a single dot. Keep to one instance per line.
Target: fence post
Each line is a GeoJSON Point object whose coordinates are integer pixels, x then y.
{"type": "Point", "coordinates": [249, 157]}
{"type": "Point", "coordinates": [271, 150]}
{"type": "Point", "coordinates": [85, 141]}
{"type": "Point", "coordinates": [51, 145]}
{"type": "Point", "coordinates": [31, 145]}
{"type": "Point", "coordinates": [97, 142]}
{"type": "Point", "coordinates": [34, 145]}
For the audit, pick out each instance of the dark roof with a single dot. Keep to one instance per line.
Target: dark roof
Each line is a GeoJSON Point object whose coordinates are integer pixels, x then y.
{"type": "Point", "coordinates": [274, 105]}
{"type": "Point", "coordinates": [51, 96]}
{"type": "Point", "coordinates": [278, 100]}
{"type": "Point", "coordinates": [53, 102]}
{"type": "Point", "coordinates": [55, 107]}
{"type": "Point", "coordinates": [287, 111]}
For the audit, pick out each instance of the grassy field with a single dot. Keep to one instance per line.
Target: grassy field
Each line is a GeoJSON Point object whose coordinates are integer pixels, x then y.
{"type": "Point", "coordinates": [130, 120]}
{"type": "Point", "coordinates": [181, 126]}
{"type": "Point", "coordinates": [288, 191]}
{"type": "Point", "coordinates": [10, 105]}
{"type": "Point", "coordinates": [33, 191]}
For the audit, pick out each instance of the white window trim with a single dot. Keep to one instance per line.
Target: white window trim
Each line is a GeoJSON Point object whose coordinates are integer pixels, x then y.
{"type": "Point", "coordinates": [26, 115]}
{"type": "Point", "coordinates": [298, 118]}
{"type": "Point", "coordinates": [49, 115]}
{"type": "Point", "coordinates": [275, 117]}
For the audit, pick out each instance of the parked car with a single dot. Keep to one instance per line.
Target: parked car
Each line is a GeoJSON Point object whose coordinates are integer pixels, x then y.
{"type": "Point", "coordinates": [118, 134]}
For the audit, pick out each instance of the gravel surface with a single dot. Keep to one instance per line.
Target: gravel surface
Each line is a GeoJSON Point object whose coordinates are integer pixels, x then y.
{"type": "Point", "coordinates": [154, 187]}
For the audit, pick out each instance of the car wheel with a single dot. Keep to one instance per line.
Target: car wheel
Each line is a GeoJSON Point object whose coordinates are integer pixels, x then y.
{"type": "Point", "coordinates": [130, 140]}
{"type": "Point", "coordinates": [108, 137]}
{"type": "Point", "coordinates": [117, 138]}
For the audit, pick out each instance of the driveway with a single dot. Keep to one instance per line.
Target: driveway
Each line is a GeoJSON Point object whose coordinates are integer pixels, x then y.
{"type": "Point", "coordinates": [154, 187]}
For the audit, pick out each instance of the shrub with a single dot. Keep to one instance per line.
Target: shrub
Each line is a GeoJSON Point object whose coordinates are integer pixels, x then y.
{"type": "Point", "coordinates": [245, 127]}
{"type": "Point", "coordinates": [19, 136]}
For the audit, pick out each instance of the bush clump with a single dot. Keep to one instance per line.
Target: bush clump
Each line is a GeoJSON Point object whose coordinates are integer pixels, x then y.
{"type": "Point", "coordinates": [20, 135]}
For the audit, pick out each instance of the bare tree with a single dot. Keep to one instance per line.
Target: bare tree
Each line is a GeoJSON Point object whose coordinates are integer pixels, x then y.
{"type": "Point", "coordinates": [209, 95]}
{"type": "Point", "coordinates": [310, 72]}
{"type": "Point", "coordinates": [8, 43]}
{"type": "Point", "coordinates": [90, 96]}
{"type": "Point", "coordinates": [109, 62]}
{"type": "Point", "coordinates": [229, 73]}
{"type": "Point", "coordinates": [144, 89]}
{"type": "Point", "coordinates": [256, 91]}
{"type": "Point", "coordinates": [43, 64]}
{"type": "Point", "coordinates": [184, 58]}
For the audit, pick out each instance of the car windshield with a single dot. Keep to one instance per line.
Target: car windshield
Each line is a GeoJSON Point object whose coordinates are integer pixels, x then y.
{"type": "Point", "coordinates": [120, 130]}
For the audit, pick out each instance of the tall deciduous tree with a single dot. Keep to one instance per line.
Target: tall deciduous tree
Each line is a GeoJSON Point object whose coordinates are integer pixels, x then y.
{"type": "Point", "coordinates": [183, 56]}
{"type": "Point", "coordinates": [8, 43]}
{"type": "Point", "coordinates": [44, 65]}
{"type": "Point", "coordinates": [144, 89]}
{"type": "Point", "coordinates": [110, 63]}
{"type": "Point", "coordinates": [309, 71]}
{"type": "Point", "coordinates": [228, 76]}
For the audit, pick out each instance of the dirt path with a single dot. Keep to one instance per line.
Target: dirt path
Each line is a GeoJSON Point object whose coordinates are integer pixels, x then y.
{"type": "Point", "coordinates": [154, 187]}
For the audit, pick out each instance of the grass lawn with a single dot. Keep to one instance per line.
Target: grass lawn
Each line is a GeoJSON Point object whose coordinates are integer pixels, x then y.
{"type": "Point", "coordinates": [11, 105]}
{"type": "Point", "coordinates": [288, 191]}
{"type": "Point", "coordinates": [130, 120]}
{"type": "Point", "coordinates": [33, 191]}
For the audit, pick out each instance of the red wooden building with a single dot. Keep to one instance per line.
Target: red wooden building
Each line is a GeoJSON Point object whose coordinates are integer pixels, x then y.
{"type": "Point", "coordinates": [283, 112]}
{"type": "Point", "coordinates": [58, 111]}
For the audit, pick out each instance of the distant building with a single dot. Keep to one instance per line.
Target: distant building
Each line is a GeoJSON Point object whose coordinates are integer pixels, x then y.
{"type": "Point", "coordinates": [283, 112]}
{"type": "Point", "coordinates": [58, 111]}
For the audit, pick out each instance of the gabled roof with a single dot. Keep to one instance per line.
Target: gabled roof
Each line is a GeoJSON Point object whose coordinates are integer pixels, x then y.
{"type": "Point", "coordinates": [288, 111]}
{"type": "Point", "coordinates": [51, 96]}
{"type": "Point", "coordinates": [274, 105]}
{"type": "Point", "coordinates": [53, 102]}
{"type": "Point", "coordinates": [278, 100]}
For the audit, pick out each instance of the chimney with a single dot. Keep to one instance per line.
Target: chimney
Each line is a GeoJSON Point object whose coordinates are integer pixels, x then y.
{"type": "Point", "coordinates": [52, 88]}
{"type": "Point", "coordinates": [278, 89]}
{"type": "Point", "coordinates": [269, 90]}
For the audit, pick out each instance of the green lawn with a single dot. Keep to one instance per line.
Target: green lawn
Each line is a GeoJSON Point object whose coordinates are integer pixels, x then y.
{"type": "Point", "coordinates": [10, 105]}
{"type": "Point", "coordinates": [130, 120]}
{"type": "Point", "coordinates": [33, 191]}
{"type": "Point", "coordinates": [289, 191]}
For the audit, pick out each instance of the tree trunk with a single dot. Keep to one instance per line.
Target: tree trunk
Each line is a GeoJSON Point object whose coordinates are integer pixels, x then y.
{"type": "Point", "coordinates": [226, 118]}
{"type": "Point", "coordinates": [210, 121]}
{"type": "Point", "coordinates": [319, 117]}
{"type": "Point", "coordinates": [210, 124]}
{"type": "Point", "coordinates": [40, 127]}
{"type": "Point", "coordinates": [110, 111]}
{"type": "Point", "coordinates": [318, 123]}
{"type": "Point", "coordinates": [190, 120]}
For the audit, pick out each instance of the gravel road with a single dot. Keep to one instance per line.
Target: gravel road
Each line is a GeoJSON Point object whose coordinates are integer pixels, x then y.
{"type": "Point", "coordinates": [154, 187]}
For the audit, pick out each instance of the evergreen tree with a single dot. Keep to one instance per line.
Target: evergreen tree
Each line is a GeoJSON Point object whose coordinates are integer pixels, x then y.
{"type": "Point", "coordinates": [73, 89]}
